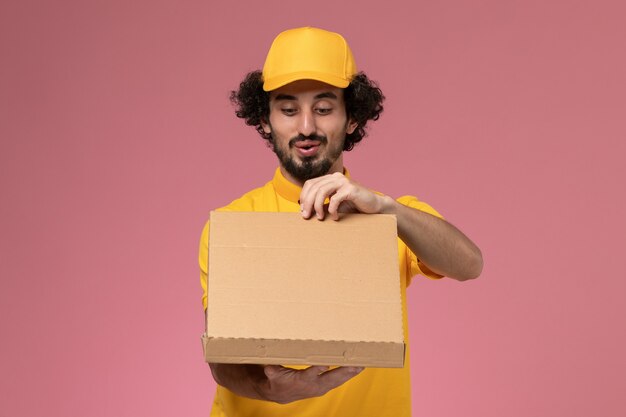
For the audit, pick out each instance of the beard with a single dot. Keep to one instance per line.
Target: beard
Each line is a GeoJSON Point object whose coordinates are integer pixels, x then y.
{"type": "Point", "coordinates": [311, 166]}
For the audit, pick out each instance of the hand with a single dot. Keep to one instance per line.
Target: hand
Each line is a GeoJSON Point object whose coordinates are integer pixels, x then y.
{"type": "Point", "coordinates": [284, 385]}
{"type": "Point", "coordinates": [280, 384]}
{"type": "Point", "coordinates": [344, 196]}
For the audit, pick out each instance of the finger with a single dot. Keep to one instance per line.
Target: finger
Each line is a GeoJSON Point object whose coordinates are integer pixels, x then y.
{"type": "Point", "coordinates": [312, 372]}
{"type": "Point", "coordinates": [313, 201]}
{"type": "Point", "coordinates": [335, 377]}
{"type": "Point", "coordinates": [307, 196]}
{"type": "Point", "coordinates": [306, 203]}
{"type": "Point", "coordinates": [335, 201]}
{"type": "Point", "coordinates": [308, 184]}
{"type": "Point", "coordinates": [321, 195]}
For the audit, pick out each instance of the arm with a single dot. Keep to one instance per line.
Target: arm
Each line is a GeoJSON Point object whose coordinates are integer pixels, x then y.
{"type": "Point", "coordinates": [438, 244]}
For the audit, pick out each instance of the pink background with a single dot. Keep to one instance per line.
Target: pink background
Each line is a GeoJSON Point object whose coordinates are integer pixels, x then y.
{"type": "Point", "coordinates": [117, 139]}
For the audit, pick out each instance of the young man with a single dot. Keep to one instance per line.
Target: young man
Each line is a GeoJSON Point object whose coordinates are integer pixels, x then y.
{"type": "Point", "coordinates": [311, 105]}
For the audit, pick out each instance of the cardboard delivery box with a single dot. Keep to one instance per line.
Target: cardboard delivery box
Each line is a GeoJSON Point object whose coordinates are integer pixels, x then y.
{"type": "Point", "coordinates": [284, 290]}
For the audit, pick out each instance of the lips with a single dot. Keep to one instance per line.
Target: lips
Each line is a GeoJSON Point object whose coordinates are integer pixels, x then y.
{"type": "Point", "coordinates": [307, 147]}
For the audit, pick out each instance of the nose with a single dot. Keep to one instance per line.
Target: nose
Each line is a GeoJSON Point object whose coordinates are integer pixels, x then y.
{"type": "Point", "coordinates": [306, 124]}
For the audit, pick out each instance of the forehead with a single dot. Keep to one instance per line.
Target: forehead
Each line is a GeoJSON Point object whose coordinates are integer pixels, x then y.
{"type": "Point", "coordinates": [307, 89]}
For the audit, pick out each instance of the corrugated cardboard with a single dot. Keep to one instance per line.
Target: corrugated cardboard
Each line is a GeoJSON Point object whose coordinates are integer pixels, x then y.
{"type": "Point", "coordinates": [284, 290]}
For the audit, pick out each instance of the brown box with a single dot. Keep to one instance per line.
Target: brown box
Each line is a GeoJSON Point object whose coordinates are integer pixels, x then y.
{"type": "Point", "coordinates": [284, 290]}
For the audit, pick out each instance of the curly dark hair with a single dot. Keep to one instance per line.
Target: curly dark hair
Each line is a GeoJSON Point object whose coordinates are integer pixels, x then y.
{"type": "Point", "coordinates": [363, 98]}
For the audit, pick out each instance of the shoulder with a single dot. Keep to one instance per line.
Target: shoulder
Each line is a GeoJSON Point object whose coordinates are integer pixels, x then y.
{"type": "Point", "coordinates": [251, 200]}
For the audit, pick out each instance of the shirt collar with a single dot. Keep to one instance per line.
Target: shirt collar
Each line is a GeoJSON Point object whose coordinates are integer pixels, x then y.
{"type": "Point", "coordinates": [288, 190]}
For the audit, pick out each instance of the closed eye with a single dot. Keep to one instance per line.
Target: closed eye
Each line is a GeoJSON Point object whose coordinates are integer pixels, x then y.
{"type": "Point", "coordinates": [323, 110]}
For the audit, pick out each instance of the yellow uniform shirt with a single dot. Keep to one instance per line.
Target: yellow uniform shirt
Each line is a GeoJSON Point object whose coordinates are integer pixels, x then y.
{"type": "Point", "coordinates": [376, 392]}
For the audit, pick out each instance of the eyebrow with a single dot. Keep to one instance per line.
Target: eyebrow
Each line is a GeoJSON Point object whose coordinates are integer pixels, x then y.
{"type": "Point", "coordinates": [327, 94]}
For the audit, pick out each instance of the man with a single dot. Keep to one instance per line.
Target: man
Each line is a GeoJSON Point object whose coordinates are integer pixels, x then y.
{"type": "Point", "coordinates": [311, 105]}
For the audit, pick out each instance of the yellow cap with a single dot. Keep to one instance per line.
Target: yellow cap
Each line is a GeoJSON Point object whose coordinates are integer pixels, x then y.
{"type": "Point", "coordinates": [308, 54]}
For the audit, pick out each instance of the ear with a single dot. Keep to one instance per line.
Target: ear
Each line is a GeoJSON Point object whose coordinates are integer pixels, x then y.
{"type": "Point", "coordinates": [352, 125]}
{"type": "Point", "coordinates": [267, 128]}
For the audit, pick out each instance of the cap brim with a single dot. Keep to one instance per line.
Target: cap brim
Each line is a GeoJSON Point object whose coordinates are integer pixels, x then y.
{"type": "Point", "coordinates": [276, 82]}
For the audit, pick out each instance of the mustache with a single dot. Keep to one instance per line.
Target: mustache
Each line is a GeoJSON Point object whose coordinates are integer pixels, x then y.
{"type": "Point", "coordinates": [300, 138]}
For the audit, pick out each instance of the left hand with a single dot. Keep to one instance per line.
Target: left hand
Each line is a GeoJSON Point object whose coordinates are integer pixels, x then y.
{"type": "Point", "coordinates": [344, 196]}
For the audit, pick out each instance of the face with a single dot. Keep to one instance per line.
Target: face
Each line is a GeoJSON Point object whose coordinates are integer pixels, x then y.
{"type": "Point", "coordinates": [308, 125]}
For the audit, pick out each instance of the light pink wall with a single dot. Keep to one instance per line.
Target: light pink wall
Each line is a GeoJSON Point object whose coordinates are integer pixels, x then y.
{"type": "Point", "coordinates": [117, 138]}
